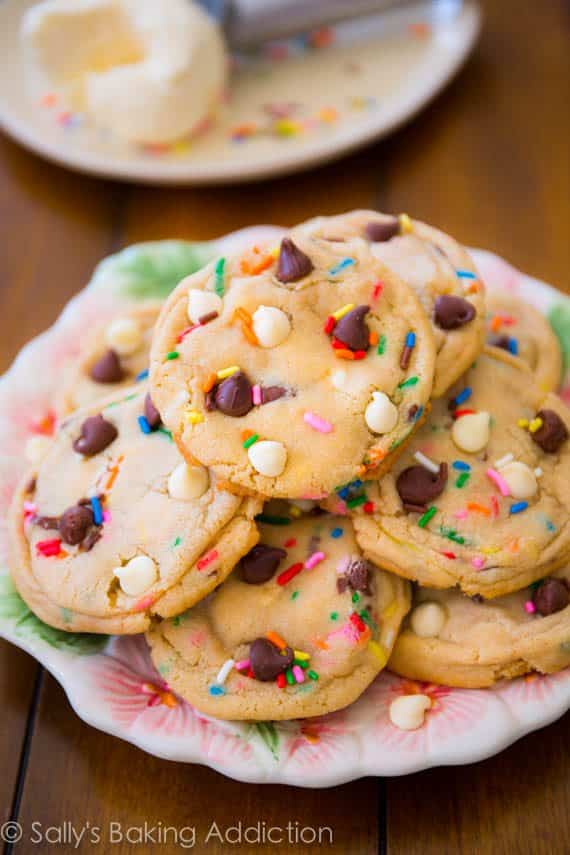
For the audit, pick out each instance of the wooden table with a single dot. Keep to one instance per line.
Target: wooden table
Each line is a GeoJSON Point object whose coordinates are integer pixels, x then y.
{"type": "Point", "coordinates": [489, 162]}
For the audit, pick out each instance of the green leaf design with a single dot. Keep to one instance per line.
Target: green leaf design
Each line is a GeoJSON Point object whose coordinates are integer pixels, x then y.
{"type": "Point", "coordinates": [269, 735]}
{"type": "Point", "coordinates": [151, 270]}
{"type": "Point", "coordinates": [12, 607]}
{"type": "Point", "coordinates": [559, 319]}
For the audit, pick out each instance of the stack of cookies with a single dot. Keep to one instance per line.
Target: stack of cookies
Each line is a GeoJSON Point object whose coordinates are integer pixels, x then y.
{"type": "Point", "coordinates": [338, 460]}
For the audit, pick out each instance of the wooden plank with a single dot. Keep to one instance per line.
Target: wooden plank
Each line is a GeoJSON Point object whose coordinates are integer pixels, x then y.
{"type": "Point", "coordinates": [95, 778]}
{"type": "Point", "coordinates": [17, 674]}
{"type": "Point", "coordinates": [517, 803]}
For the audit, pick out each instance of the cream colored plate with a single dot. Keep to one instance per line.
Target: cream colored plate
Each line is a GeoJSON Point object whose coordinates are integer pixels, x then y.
{"type": "Point", "coordinates": [289, 107]}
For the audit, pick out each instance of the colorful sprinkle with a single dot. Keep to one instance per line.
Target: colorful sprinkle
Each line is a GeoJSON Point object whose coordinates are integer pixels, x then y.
{"type": "Point", "coordinates": [342, 265]}
{"type": "Point", "coordinates": [220, 273]}
{"type": "Point", "coordinates": [411, 339]}
{"type": "Point", "coordinates": [217, 690]}
{"type": "Point", "coordinates": [356, 501]}
{"type": "Point", "coordinates": [426, 462]}
{"type": "Point", "coordinates": [406, 226]}
{"type": "Point", "coordinates": [223, 373]}
{"type": "Point", "coordinates": [251, 440]}
{"type": "Point", "coordinates": [97, 510]}
{"type": "Point", "coordinates": [535, 425]}
{"type": "Point", "coordinates": [49, 548]}
{"type": "Point", "coordinates": [381, 349]}
{"type": "Point", "coordinates": [425, 518]}
{"type": "Point", "coordinates": [507, 458]}
{"type": "Point", "coordinates": [411, 381]}
{"type": "Point", "coordinates": [462, 479]}
{"type": "Point", "coordinates": [478, 509]}
{"type": "Point", "coordinates": [142, 375]}
{"type": "Point", "coordinates": [290, 573]}
{"type": "Point", "coordinates": [314, 559]}
{"type": "Point", "coordinates": [461, 466]}
{"type": "Point", "coordinates": [270, 519]}
{"type": "Point", "coordinates": [207, 559]}
{"type": "Point", "coordinates": [194, 417]}
{"type": "Point", "coordinates": [317, 423]}
{"type": "Point", "coordinates": [378, 651]}
{"type": "Point", "coordinates": [465, 274]}
{"type": "Point", "coordinates": [301, 655]}
{"type": "Point", "coordinates": [498, 480]}
{"type": "Point", "coordinates": [224, 671]}
{"type": "Point", "coordinates": [478, 562]}
{"type": "Point", "coordinates": [337, 532]}
{"type": "Point", "coordinates": [463, 396]}
{"type": "Point", "coordinates": [256, 395]}
{"type": "Point", "coordinates": [242, 665]}
{"type": "Point", "coordinates": [518, 507]}
{"type": "Point", "coordinates": [298, 674]}
{"type": "Point", "coordinates": [529, 607]}
{"type": "Point", "coordinates": [172, 355]}
{"type": "Point", "coordinates": [340, 313]}
{"type": "Point", "coordinates": [312, 675]}
{"type": "Point", "coordinates": [144, 425]}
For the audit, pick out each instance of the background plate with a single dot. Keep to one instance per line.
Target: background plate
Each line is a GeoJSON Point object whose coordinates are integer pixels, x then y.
{"type": "Point", "coordinates": [295, 104]}
{"type": "Point", "coordinates": [112, 684]}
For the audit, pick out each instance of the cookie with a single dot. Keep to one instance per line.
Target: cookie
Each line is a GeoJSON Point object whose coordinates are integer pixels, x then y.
{"type": "Point", "coordinates": [290, 372]}
{"type": "Point", "coordinates": [520, 329]}
{"type": "Point", "coordinates": [440, 271]}
{"type": "Point", "coordinates": [481, 496]}
{"type": "Point", "coordinates": [113, 357]}
{"type": "Point", "coordinates": [300, 628]}
{"type": "Point", "coordinates": [452, 639]}
{"type": "Point", "coordinates": [115, 528]}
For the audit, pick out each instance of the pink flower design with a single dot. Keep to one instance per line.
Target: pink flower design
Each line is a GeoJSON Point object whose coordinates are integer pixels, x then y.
{"type": "Point", "coordinates": [533, 688]}
{"type": "Point", "coordinates": [452, 712]}
{"type": "Point", "coordinates": [319, 741]}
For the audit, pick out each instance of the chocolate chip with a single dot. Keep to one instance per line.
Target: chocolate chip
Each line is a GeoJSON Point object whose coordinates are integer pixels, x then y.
{"type": "Point", "coordinates": [151, 414]}
{"type": "Point", "coordinates": [74, 524]}
{"type": "Point", "coordinates": [293, 264]}
{"type": "Point", "coordinates": [233, 396]}
{"type": "Point", "coordinates": [452, 312]}
{"type": "Point", "coordinates": [358, 575]}
{"type": "Point", "coordinates": [96, 435]}
{"type": "Point", "coordinates": [477, 598]}
{"type": "Point", "coordinates": [551, 596]}
{"type": "Point", "coordinates": [416, 485]}
{"type": "Point", "coordinates": [260, 563]}
{"type": "Point", "coordinates": [272, 393]}
{"type": "Point", "coordinates": [89, 542]}
{"type": "Point", "coordinates": [502, 341]}
{"type": "Point", "coordinates": [378, 232]}
{"type": "Point", "coordinates": [552, 433]}
{"type": "Point", "coordinates": [48, 523]}
{"type": "Point", "coordinates": [352, 329]}
{"type": "Point", "coordinates": [108, 369]}
{"type": "Point", "coordinates": [267, 661]}
{"type": "Point", "coordinates": [412, 412]}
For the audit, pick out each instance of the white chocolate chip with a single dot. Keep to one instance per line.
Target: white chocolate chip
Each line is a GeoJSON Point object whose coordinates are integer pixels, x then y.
{"type": "Point", "coordinates": [137, 575]}
{"type": "Point", "coordinates": [521, 480]}
{"type": "Point", "coordinates": [427, 620]}
{"type": "Point", "coordinates": [201, 303]}
{"type": "Point", "coordinates": [305, 505]}
{"type": "Point", "coordinates": [268, 457]}
{"type": "Point", "coordinates": [407, 712]}
{"type": "Point", "coordinates": [381, 414]}
{"type": "Point", "coordinates": [188, 482]}
{"type": "Point", "coordinates": [270, 325]}
{"type": "Point", "coordinates": [36, 447]}
{"type": "Point", "coordinates": [124, 336]}
{"type": "Point", "coordinates": [471, 432]}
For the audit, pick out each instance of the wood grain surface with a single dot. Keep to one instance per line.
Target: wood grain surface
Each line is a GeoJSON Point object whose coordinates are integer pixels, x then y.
{"type": "Point", "coordinates": [488, 161]}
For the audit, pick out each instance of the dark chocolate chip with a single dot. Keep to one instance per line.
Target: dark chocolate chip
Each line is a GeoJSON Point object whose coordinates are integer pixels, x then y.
{"type": "Point", "coordinates": [74, 524]}
{"type": "Point", "coordinates": [358, 575]}
{"type": "Point", "coordinates": [267, 661]}
{"type": "Point", "coordinates": [477, 598]}
{"type": "Point", "coordinates": [502, 341]}
{"type": "Point", "coordinates": [96, 435]}
{"type": "Point", "coordinates": [352, 329]}
{"type": "Point", "coordinates": [108, 369]}
{"type": "Point", "coordinates": [151, 414]}
{"type": "Point", "coordinates": [452, 312]}
{"type": "Point", "coordinates": [272, 393]}
{"type": "Point", "coordinates": [48, 523]}
{"type": "Point", "coordinates": [233, 395]}
{"type": "Point", "coordinates": [91, 539]}
{"type": "Point", "coordinates": [210, 400]}
{"type": "Point", "coordinates": [551, 596]}
{"type": "Point", "coordinates": [378, 232]}
{"type": "Point", "coordinates": [412, 412]}
{"type": "Point", "coordinates": [412, 508]}
{"type": "Point", "coordinates": [260, 563]}
{"type": "Point", "coordinates": [293, 264]}
{"type": "Point", "coordinates": [552, 433]}
{"type": "Point", "coordinates": [416, 485]}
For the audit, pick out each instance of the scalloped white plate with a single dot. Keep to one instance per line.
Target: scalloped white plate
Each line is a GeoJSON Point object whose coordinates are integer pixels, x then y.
{"type": "Point", "coordinates": [306, 104]}
{"type": "Point", "coordinates": [112, 684]}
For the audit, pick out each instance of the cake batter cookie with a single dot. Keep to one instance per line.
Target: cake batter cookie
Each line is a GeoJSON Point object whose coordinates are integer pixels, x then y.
{"type": "Point", "coordinates": [438, 268]}
{"type": "Point", "coordinates": [290, 372]}
{"type": "Point", "coordinates": [522, 330]}
{"type": "Point", "coordinates": [115, 528]}
{"type": "Point", "coordinates": [300, 628]}
{"type": "Point", "coordinates": [481, 497]}
{"type": "Point", "coordinates": [112, 358]}
{"type": "Point", "coordinates": [452, 639]}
